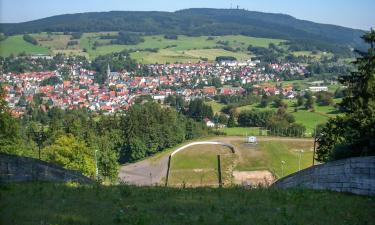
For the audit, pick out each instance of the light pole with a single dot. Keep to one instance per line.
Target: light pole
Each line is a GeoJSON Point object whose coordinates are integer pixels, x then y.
{"type": "Point", "coordinates": [299, 159]}
{"type": "Point", "coordinates": [282, 168]}
{"type": "Point", "coordinates": [96, 166]}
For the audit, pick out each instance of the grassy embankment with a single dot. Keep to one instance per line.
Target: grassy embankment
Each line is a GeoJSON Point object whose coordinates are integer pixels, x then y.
{"type": "Point", "coordinates": [43, 203]}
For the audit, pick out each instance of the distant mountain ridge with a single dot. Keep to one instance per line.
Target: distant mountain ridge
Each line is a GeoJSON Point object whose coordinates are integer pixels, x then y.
{"type": "Point", "coordinates": [194, 22]}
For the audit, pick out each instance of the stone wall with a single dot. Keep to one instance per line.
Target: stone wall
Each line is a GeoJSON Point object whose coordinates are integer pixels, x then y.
{"type": "Point", "coordinates": [20, 169]}
{"type": "Point", "coordinates": [354, 175]}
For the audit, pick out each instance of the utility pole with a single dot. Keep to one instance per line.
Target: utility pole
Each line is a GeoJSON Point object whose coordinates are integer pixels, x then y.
{"type": "Point", "coordinates": [39, 138]}
{"type": "Point", "coordinates": [282, 168]}
{"type": "Point", "coordinates": [314, 145]}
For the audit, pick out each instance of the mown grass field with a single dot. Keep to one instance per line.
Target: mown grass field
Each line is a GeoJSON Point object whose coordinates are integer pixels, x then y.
{"type": "Point", "coordinates": [197, 165]}
{"type": "Point", "coordinates": [272, 153]}
{"type": "Point", "coordinates": [45, 203]}
{"type": "Point", "coordinates": [16, 45]}
{"type": "Point", "coordinates": [241, 131]}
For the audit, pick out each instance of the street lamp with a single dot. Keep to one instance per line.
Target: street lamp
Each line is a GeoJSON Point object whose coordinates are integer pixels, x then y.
{"type": "Point", "coordinates": [299, 159]}
{"type": "Point", "coordinates": [96, 166]}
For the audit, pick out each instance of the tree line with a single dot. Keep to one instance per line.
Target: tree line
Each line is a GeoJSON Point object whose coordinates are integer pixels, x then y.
{"type": "Point", "coordinates": [78, 138]}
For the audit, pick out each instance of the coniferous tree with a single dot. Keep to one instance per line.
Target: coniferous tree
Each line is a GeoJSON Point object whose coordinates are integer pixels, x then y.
{"type": "Point", "coordinates": [354, 133]}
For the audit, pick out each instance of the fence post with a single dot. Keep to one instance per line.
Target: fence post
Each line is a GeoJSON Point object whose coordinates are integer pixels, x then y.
{"type": "Point", "coordinates": [219, 171]}
{"type": "Point", "coordinates": [169, 166]}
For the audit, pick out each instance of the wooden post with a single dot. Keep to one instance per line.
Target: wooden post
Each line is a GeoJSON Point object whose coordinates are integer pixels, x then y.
{"type": "Point", "coordinates": [219, 171]}
{"type": "Point", "coordinates": [169, 166]}
{"type": "Point", "coordinates": [314, 150]}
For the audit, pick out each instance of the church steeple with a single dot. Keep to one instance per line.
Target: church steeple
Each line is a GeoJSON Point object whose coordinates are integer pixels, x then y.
{"type": "Point", "coordinates": [108, 70]}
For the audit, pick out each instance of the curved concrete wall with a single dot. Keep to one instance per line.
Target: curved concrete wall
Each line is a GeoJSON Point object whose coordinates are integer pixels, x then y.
{"type": "Point", "coordinates": [203, 143]}
{"type": "Point", "coordinates": [354, 175]}
{"type": "Point", "coordinates": [20, 169]}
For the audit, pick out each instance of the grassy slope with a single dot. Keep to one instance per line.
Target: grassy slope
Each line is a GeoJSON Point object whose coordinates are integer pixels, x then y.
{"type": "Point", "coordinates": [16, 45]}
{"type": "Point", "coordinates": [216, 107]}
{"type": "Point", "coordinates": [34, 203]}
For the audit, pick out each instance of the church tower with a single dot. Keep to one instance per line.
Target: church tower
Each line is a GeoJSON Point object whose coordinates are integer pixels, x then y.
{"type": "Point", "coordinates": [108, 71]}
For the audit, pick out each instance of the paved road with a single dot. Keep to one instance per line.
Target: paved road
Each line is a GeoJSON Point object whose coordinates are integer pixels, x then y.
{"type": "Point", "coordinates": [146, 172]}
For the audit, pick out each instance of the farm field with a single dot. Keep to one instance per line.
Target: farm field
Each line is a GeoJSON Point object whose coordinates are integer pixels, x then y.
{"type": "Point", "coordinates": [184, 49]}
{"type": "Point", "coordinates": [185, 56]}
{"type": "Point", "coordinates": [31, 203]}
{"type": "Point", "coordinates": [197, 165]}
{"type": "Point", "coordinates": [16, 45]}
{"type": "Point", "coordinates": [319, 55]}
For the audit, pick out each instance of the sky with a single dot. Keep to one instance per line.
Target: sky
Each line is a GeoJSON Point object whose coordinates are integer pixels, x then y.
{"type": "Point", "coordinates": [349, 13]}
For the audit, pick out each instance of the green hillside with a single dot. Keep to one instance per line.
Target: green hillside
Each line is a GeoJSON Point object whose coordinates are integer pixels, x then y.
{"type": "Point", "coordinates": [16, 45]}
{"type": "Point", "coordinates": [183, 49]}
{"type": "Point", "coordinates": [198, 22]}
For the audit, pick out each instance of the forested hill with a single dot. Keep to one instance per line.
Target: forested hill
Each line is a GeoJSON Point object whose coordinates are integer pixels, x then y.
{"type": "Point", "coordinates": [196, 22]}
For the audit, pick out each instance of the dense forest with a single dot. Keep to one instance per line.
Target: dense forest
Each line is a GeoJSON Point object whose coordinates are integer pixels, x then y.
{"type": "Point", "coordinates": [197, 22]}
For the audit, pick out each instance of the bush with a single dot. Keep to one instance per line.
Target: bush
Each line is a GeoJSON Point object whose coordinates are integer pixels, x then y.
{"type": "Point", "coordinates": [30, 39]}
{"type": "Point", "coordinates": [171, 36]}
{"type": "Point", "coordinates": [127, 38]}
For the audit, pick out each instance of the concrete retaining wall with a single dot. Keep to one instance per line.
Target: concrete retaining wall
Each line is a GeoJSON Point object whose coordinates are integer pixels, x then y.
{"type": "Point", "coordinates": [354, 175]}
{"type": "Point", "coordinates": [20, 169]}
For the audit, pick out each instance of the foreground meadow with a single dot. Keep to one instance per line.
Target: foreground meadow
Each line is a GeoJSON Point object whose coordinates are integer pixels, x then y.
{"type": "Point", "coordinates": [46, 203]}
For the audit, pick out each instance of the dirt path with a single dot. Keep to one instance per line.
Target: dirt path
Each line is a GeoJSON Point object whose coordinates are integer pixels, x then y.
{"type": "Point", "coordinates": [147, 172]}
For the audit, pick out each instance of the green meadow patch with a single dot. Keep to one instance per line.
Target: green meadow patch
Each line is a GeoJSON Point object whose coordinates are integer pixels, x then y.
{"type": "Point", "coordinates": [16, 45]}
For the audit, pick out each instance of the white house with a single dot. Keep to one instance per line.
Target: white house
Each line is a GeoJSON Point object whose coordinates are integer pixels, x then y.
{"type": "Point", "coordinates": [209, 123]}
{"type": "Point", "coordinates": [318, 89]}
